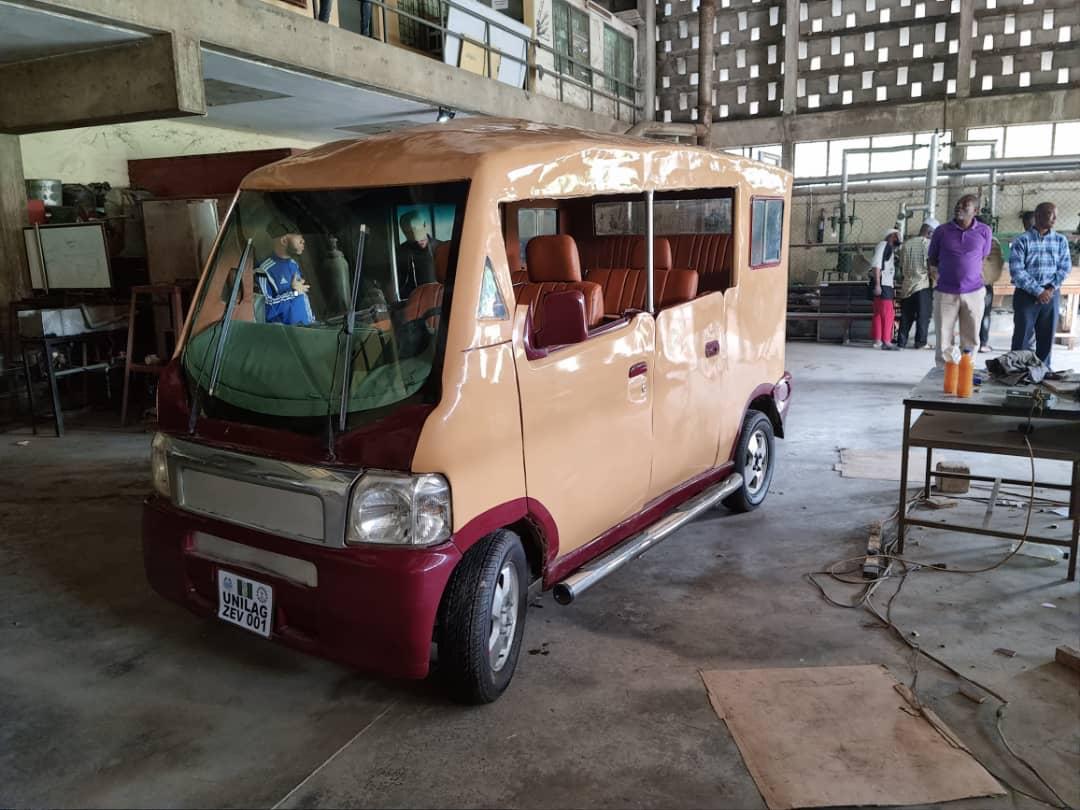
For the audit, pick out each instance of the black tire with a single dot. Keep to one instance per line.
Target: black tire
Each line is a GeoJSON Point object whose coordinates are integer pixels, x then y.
{"type": "Point", "coordinates": [755, 458]}
{"type": "Point", "coordinates": [474, 672]}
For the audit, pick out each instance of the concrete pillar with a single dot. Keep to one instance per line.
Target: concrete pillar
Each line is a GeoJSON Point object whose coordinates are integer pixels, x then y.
{"type": "Point", "coordinates": [13, 281]}
{"type": "Point", "coordinates": [963, 55]}
{"type": "Point", "coordinates": [706, 18]}
{"type": "Point", "coordinates": [647, 58]}
{"type": "Point", "coordinates": [156, 77]}
{"type": "Point", "coordinates": [787, 154]}
{"type": "Point", "coordinates": [791, 55]}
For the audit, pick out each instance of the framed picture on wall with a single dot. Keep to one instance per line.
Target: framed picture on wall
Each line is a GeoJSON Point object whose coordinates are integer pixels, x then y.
{"type": "Point", "coordinates": [71, 256]}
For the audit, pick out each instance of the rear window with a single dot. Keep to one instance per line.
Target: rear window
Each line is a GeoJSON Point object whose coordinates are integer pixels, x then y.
{"type": "Point", "coordinates": [766, 232]}
{"type": "Point", "coordinates": [669, 216]}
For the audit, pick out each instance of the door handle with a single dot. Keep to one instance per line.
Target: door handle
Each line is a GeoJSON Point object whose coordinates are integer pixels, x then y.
{"type": "Point", "coordinates": [638, 369]}
{"type": "Point", "coordinates": [712, 348]}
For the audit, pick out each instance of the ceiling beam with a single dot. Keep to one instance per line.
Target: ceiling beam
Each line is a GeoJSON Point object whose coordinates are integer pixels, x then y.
{"type": "Point", "coordinates": [257, 30]}
{"type": "Point", "coordinates": [1033, 106]}
{"type": "Point", "coordinates": [154, 77]}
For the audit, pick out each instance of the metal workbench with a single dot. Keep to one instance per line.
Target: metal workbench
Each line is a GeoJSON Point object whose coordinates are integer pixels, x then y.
{"type": "Point", "coordinates": [983, 423]}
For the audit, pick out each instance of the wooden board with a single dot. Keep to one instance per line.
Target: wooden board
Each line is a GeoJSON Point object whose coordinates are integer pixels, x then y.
{"type": "Point", "coordinates": [1055, 440]}
{"type": "Point", "coordinates": [73, 256]}
{"type": "Point", "coordinates": [828, 736]}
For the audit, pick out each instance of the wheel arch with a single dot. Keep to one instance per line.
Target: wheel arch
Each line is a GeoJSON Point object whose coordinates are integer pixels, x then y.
{"type": "Point", "coordinates": [767, 405]}
{"type": "Point", "coordinates": [528, 519]}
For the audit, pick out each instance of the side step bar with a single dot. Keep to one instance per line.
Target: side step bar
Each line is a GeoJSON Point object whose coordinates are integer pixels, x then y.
{"type": "Point", "coordinates": [633, 547]}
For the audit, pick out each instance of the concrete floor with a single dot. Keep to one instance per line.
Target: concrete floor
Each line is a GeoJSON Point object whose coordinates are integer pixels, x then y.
{"type": "Point", "coordinates": [111, 696]}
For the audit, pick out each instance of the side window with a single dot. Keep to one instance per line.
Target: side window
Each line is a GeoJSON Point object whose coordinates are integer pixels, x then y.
{"type": "Point", "coordinates": [571, 33]}
{"type": "Point", "coordinates": [536, 222]}
{"type": "Point", "coordinates": [766, 231]}
{"type": "Point", "coordinates": [619, 62]}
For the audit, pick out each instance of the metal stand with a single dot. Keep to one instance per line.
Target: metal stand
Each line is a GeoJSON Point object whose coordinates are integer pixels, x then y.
{"type": "Point", "coordinates": [54, 375]}
{"type": "Point", "coordinates": [981, 424]}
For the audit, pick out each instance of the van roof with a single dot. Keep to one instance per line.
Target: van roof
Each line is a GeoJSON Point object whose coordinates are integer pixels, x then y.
{"type": "Point", "coordinates": [522, 158]}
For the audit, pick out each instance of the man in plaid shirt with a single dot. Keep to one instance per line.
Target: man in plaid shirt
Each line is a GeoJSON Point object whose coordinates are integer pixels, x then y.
{"type": "Point", "coordinates": [1039, 261]}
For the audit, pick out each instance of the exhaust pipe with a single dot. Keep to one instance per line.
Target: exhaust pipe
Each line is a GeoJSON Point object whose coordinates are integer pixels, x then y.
{"type": "Point", "coordinates": [585, 577]}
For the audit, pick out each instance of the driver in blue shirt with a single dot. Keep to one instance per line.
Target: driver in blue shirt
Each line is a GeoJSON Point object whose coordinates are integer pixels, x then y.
{"type": "Point", "coordinates": [279, 278]}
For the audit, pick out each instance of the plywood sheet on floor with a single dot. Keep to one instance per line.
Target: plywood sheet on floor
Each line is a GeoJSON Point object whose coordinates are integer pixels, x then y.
{"type": "Point", "coordinates": [883, 465]}
{"type": "Point", "coordinates": [827, 736]}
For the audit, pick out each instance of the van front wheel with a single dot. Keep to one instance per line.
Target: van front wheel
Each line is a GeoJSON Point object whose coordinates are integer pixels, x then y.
{"type": "Point", "coordinates": [754, 456]}
{"type": "Point", "coordinates": [482, 619]}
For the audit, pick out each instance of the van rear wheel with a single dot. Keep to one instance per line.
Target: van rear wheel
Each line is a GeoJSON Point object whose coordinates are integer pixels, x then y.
{"type": "Point", "coordinates": [482, 619]}
{"type": "Point", "coordinates": [754, 456]}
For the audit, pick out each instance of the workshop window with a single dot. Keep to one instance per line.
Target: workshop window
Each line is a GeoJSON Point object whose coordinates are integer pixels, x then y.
{"type": "Point", "coordinates": [619, 62]}
{"type": "Point", "coordinates": [571, 29]}
{"type": "Point", "coordinates": [766, 231]}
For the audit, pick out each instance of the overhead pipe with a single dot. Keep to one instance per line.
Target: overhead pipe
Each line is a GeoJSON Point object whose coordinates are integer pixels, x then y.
{"type": "Point", "coordinates": [930, 197]}
{"type": "Point", "coordinates": [842, 259]}
{"type": "Point", "coordinates": [1072, 163]}
{"type": "Point", "coordinates": [1015, 164]}
{"type": "Point", "coordinates": [706, 18]}
{"type": "Point", "coordinates": [993, 174]}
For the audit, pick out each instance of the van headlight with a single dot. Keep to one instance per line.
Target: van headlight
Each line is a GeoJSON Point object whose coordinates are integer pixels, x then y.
{"type": "Point", "coordinates": [159, 465]}
{"type": "Point", "coordinates": [395, 509]}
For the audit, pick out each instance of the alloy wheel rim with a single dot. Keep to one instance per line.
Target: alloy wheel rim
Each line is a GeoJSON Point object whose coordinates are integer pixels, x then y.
{"type": "Point", "coordinates": [756, 463]}
{"type": "Point", "coordinates": [504, 617]}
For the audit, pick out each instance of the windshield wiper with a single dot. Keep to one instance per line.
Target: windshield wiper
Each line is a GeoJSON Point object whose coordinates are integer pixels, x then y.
{"type": "Point", "coordinates": [347, 327]}
{"type": "Point", "coordinates": [223, 335]}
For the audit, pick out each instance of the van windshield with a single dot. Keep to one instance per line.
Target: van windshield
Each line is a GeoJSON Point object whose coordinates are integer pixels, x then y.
{"type": "Point", "coordinates": [280, 350]}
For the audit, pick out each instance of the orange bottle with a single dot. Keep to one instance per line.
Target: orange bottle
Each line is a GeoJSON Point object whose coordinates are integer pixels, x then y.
{"type": "Point", "coordinates": [965, 381]}
{"type": "Point", "coordinates": [952, 371]}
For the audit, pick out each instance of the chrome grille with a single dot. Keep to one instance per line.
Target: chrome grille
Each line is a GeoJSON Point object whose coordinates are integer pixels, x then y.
{"type": "Point", "coordinates": [299, 501]}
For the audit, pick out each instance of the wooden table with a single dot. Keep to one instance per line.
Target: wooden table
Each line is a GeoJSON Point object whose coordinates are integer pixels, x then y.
{"type": "Point", "coordinates": [983, 423]}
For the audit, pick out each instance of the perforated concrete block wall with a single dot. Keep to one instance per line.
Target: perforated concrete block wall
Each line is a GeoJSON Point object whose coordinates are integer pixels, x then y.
{"type": "Point", "coordinates": [1020, 44]}
{"type": "Point", "coordinates": [862, 52]}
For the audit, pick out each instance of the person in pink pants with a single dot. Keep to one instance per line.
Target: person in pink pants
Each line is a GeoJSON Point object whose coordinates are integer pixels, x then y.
{"type": "Point", "coordinates": [882, 273]}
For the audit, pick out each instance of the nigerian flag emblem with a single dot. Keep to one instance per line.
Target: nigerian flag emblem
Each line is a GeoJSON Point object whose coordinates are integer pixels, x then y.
{"type": "Point", "coordinates": [244, 588]}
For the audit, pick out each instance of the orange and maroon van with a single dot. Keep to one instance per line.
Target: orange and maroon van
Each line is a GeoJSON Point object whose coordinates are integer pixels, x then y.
{"type": "Point", "coordinates": [429, 372]}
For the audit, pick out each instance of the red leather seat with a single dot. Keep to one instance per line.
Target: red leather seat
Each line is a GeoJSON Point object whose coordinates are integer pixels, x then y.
{"type": "Point", "coordinates": [710, 254]}
{"type": "Point", "coordinates": [609, 251]}
{"type": "Point", "coordinates": [553, 265]}
{"type": "Point", "coordinates": [627, 288]}
{"type": "Point", "coordinates": [427, 297]}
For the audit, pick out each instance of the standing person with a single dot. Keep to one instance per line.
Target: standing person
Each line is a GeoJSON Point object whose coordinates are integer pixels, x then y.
{"type": "Point", "coordinates": [918, 295]}
{"type": "Point", "coordinates": [1038, 263]}
{"type": "Point", "coordinates": [1028, 220]}
{"type": "Point", "coordinates": [882, 273]}
{"type": "Point", "coordinates": [956, 254]}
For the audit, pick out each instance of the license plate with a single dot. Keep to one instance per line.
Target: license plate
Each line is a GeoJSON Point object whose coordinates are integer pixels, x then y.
{"type": "Point", "coordinates": [245, 602]}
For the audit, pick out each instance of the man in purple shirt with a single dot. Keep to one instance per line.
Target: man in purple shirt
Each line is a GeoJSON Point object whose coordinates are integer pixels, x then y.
{"type": "Point", "coordinates": [955, 255]}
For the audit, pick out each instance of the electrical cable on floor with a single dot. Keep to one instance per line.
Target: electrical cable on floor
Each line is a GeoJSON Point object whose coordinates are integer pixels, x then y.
{"type": "Point", "coordinates": [908, 566]}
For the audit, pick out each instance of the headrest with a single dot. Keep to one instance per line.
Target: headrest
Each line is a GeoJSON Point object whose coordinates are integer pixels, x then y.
{"type": "Point", "coordinates": [552, 258]}
{"type": "Point", "coordinates": [442, 261]}
{"type": "Point", "coordinates": [661, 254]}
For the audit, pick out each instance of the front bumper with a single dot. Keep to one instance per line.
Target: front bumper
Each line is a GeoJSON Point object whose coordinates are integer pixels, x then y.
{"type": "Point", "coordinates": [372, 609]}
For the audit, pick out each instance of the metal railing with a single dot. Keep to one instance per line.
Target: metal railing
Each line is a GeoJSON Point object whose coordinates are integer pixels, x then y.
{"type": "Point", "coordinates": [624, 99]}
